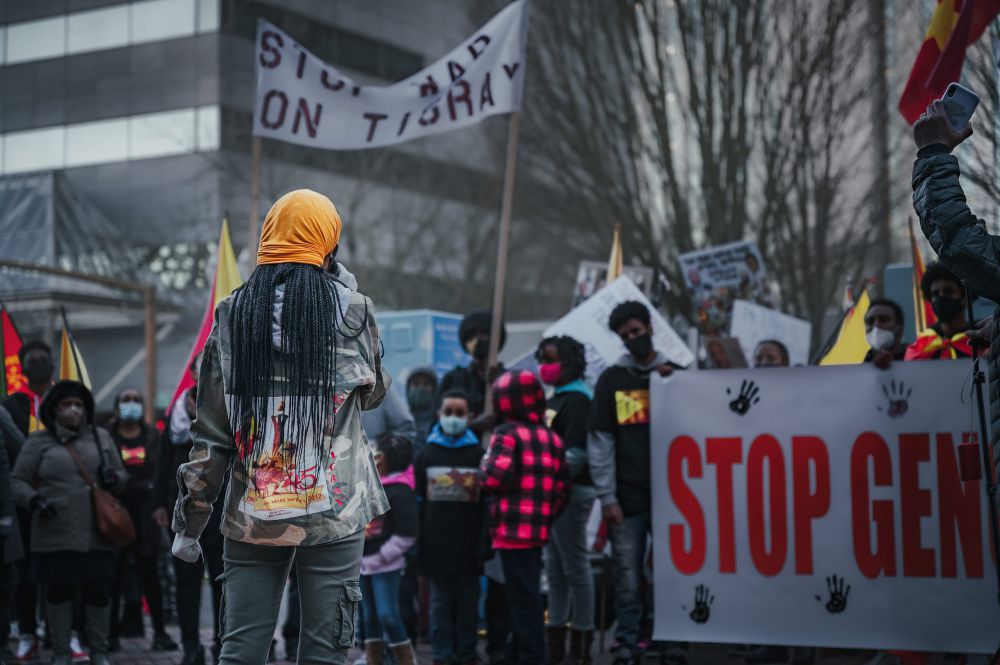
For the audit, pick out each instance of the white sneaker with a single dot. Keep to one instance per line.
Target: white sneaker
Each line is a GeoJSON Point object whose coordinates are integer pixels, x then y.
{"type": "Point", "coordinates": [27, 649]}
{"type": "Point", "coordinates": [76, 651]}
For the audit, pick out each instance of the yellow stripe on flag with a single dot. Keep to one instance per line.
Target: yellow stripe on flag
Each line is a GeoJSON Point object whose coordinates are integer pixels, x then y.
{"type": "Point", "coordinates": [851, 346]}
{"type": "Point", "coordinates": [227, 273]}
{"type": "Point", "coordinates": [71, 365]}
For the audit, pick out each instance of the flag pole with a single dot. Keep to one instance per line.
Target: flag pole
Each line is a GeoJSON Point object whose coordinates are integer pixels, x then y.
{"type": "Point", "coordinates": [503, 245]}
{"type": "Point", "coordinates": [254, 196]}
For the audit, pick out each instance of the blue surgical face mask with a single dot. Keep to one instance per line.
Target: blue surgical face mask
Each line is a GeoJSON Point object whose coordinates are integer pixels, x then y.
{"type": "Point", "coordinates": [454, 425]}
{"type": "Point", "coordinates": [130, 411]}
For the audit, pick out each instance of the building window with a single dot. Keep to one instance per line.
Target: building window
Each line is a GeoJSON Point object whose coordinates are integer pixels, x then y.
{"type": "Point", "coordinates": [339, 47]}
{"type": "Point", "coordinates": [98, 29]}
{"type": "Point", "coordinates": [35, 40]}
{"type": "Point", "coordinates": [155, 20]}
{"type": "Point", "coordinates": [119, 139]}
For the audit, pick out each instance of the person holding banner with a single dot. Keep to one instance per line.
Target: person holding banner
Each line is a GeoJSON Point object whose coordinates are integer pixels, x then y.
{"type": "Point", "coordinates": [618, 454]}
{"type": "Point", "coordinates": [563, 364]}
{"type": "Point", "coordinates": [292, 360]}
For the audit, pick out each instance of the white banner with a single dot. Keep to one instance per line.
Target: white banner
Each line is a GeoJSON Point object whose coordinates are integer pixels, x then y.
{"type": "Point", "coordinates": [820, 507]}
{"type": "Point", "coordinates": [301, 99]}
{"type": "Point", "coordinates": [753, 324]}
{"type": "Point", "coordinates": [588, 324]}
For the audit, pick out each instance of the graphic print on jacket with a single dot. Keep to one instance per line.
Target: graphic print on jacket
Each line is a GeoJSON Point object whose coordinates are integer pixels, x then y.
{"type": "Point", "coordinates": [525, 466]}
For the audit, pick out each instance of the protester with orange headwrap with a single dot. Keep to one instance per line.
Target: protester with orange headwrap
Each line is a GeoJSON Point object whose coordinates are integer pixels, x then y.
{"type": "Point", "coordinates": [292, 360]}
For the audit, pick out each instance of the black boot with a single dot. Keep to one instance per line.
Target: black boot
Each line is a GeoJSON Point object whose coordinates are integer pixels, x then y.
{"type": "Point", "coordinates": [555, 645]}
{"type": "Point", "coordinates": [194, 655]}
{"type": "Point", "coordinates": [580, 645]}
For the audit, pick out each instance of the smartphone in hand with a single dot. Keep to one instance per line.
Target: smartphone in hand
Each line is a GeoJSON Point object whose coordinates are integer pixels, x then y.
{"type": "Point", "coordinates": [959, 104]}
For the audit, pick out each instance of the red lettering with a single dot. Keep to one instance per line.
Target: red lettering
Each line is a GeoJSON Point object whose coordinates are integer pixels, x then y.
{"type": "Point", "coordinates": [302, 65]}
{"type": "Point", "coordinates": [481, 39]}
{"type": "Point", "coordinates": [324, 79]}
{"type": "Point", "coordinates": [918, 561]}
{"type": "Point", "coordinates": [282, 109]}
{"type": "Point", "coordinates": [809, 503]}
{"type": "Point", "coordinates": [270, 42]}
{"type": "Point", "coordinates": [688, 560]}
{"type": "Point", "coordinates": [724, 453]}
{"type": "Point", "coordinates": [459, 98]}
{"type": "Point", "coordinates": [768, 561]}
{"type": "Point", "coordinates": [312, 121]}
{"type": "Point", "coordinates": [375, 118]}
{"type": "Point", "coordinates": [425, 120]}
{"type": "Point", "coordinates": [455, 70]}
{"type": "Point", "coordinates": [882, 559]}
{"type": "Point", "coordinates": [486, 94]}
{"type": "Point", "coordinates": [958, 507]}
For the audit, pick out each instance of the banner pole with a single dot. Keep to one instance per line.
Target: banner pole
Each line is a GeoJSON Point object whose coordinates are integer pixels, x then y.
{"type": "Point", "coordinates": [254, 196]}
{"type": "Point", "coordinates": [503, 244]}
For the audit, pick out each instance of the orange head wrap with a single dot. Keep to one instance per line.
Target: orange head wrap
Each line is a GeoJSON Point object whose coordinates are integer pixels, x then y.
{"type": "Point", "coordinates": [302, 226]}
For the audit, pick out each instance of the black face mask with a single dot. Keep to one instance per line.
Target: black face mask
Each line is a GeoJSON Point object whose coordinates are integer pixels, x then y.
{"type": "Point", "coordinates": [640, 347]}
{"type": "Point", "coordinates": [39, 370]}
{"type": "Point", "coordinates": [481, 349]}
{"type": "Point", "coordinates": [946, 309]}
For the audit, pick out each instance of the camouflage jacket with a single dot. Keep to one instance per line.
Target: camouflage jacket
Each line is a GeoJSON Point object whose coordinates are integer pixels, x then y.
{"type": "Point", "coordinates": [332, 495]}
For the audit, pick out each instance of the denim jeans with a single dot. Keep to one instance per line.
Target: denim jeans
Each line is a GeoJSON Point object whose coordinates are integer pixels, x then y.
{"type": "Point", "coordinates": [380, 603]}
{"type": "Point", "coordinates": [254, 581]}
{"type": "Point", "coordinates": [522, 570]}
{"type": "Point", "coordinates": [567, 564]}
{"type": "Point", "coordinates": [454, 617]}
{"type": "Point", "coordinates": [628, 546]}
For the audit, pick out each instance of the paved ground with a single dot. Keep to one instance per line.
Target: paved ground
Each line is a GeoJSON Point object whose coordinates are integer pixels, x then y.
{"type": "Point", "coordinates": [136, 652]}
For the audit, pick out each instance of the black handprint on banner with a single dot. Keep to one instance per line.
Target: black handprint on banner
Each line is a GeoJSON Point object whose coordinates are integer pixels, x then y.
{"type": "Point", "coordinates": [703, 600]}
{"type": "Point", "coordinates": [898, 396]}
{"type": "Point", "coordinates": [838, 594]}
{"type": "Point", "coordinates": [749, 395]}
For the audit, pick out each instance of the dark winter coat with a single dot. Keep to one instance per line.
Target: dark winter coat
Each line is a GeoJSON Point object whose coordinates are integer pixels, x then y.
{"type": "Point", "coordinates": [963, 245]}
{"type": "Point", "coordinates": [140, 457]}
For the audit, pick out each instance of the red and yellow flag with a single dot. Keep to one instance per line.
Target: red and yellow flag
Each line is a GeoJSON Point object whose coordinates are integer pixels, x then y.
{"type": "Point", "coordinates": [226, 280]}
{"type": "Point", "coordinates": [10, 345]}
{"type": "Point", "coordinates": [955, 25]}
{"type": "Point", "coordinates": [923, 313]}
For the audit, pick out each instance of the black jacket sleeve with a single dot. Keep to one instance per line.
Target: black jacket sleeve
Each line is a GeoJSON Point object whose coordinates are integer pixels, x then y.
{"type": "Point", "coordinates": [960, 238]}
{"type": "Point", "coordinates": [573, 420]}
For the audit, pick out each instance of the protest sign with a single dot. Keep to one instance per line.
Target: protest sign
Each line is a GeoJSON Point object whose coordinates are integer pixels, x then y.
{"type": "Point", "coordinates": [717, 276]}
{"type": "Point", "coordinates": [301, 99]}
{"type": "Point", "coordinates": [588, 324]}
{"type": "Point", "coordinates": [593, 275]}
{"type": "Point", "coordinates": [752, 324]}
{"type": "Point", "coordinates": [820, 507]}
{"type": "Point", "coordinates": [724, 353]}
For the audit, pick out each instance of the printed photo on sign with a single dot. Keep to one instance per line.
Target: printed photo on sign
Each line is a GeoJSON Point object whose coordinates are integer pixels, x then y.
{"type": "Point", "coordinates": [459, 484]}
{"type": "Point", "coordinates": [752, 324]}
{"type": "Point", "coordinates": [820, 506]}
{"type": "Point", "coordinates": [592, 276]}
{"type": "Point", "coordinates": [723, 353]}
{"type": "Point", "coordinates": [718, 276]}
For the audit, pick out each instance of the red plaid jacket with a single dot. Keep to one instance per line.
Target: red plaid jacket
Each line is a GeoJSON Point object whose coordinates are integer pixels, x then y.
{"type": "Point", "coordinates": [525, 467]}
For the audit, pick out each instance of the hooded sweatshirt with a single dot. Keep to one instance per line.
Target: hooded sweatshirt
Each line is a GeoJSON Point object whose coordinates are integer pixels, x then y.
{"type": "Point", "coordinates": [525, 468]}
{"type": "Point", "coordinates": [451, 521]}
{"type": "Point", "coordinates": [618, 442]}
{"type": "Point", "coordinates": [389, 536]}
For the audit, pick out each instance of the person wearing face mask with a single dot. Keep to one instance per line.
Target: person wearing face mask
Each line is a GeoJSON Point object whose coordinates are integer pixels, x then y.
{"type": "Point", "coordinates": [175, 449]}
{"type": "Point", "coordinates": [451, 529]}
{"type": "Point", "coordinates": [771, 353]}
{"type": "Point", "coordinates": [562, 364]}
{"type": "Point", "coordinates": [69, 555]}
{"type": "Point", "coordinates": [139, 446]}
{"type": "Point", "coordinates": [884, 333]}
{"type": "Point", "coordinates": [947, 338]}
{"type": "Point", "coordinates": [37, 366]}
{"type": "Point", "coordinates": [474, 334]}
{"type": "Point", "coordinates": [618, 454]}
{"type": "Point", "coordinates": [421, 388]}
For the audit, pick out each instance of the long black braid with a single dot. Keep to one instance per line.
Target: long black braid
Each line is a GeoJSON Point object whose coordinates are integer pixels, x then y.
{"type": "Point", "coordinates": [303, 368]}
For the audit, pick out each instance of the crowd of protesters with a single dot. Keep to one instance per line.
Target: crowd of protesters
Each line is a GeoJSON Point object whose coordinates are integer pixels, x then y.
{"type": "Point", "coordinates": [474, 487]}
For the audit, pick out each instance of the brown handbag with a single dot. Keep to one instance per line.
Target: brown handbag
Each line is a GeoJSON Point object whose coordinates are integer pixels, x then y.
{"type": "Point", "coordinates": [113, 522]}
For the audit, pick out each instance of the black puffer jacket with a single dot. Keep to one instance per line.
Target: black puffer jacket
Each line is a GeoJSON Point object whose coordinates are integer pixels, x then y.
{"type": "Point", "coordinates": [963, 245]}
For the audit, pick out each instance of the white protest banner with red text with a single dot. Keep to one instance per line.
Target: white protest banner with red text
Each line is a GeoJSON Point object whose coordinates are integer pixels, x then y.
{"type": "Point", "coordinates": [820, 506]}
{"type": "Point", "coordinates": [301, 99]}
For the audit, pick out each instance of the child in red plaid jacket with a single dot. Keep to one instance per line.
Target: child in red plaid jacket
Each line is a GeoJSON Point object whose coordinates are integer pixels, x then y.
{"type": "Point", "coordinates": [525, 474]}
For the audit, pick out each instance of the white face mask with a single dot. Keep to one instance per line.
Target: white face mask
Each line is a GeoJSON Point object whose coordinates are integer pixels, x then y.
{"type": "Point", "coordinates": [880, 339]}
